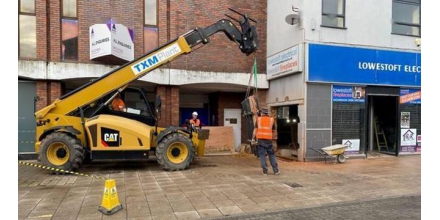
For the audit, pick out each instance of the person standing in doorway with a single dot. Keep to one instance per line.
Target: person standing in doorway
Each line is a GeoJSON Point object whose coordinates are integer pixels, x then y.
{"type": "Point", "coordinates": [263, 132]}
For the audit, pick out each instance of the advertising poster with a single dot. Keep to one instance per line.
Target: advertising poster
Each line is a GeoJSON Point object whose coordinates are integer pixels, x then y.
{"type": "Point", "coordinates": [348, 94]}
{"type": "Point", "coordinates": [410, 96]}
{"type": "Point", "coordinates": [404, 119]}
{"type": "Point", "coordinates": [353, 145]}
{"type": "Point", "coordinates": [408, 140]}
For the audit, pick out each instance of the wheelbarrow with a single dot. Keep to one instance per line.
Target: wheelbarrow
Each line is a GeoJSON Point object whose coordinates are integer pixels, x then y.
{"type": "Point", "coordinates": [335, 151]}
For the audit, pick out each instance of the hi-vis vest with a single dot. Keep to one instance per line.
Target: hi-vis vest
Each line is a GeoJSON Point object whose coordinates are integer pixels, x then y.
{"type": "Point", "coordinates": [264, 129]}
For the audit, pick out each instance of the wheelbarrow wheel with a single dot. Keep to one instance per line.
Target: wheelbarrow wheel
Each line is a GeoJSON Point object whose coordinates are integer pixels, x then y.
{"type": "Point", "coordinates": [341, 158]}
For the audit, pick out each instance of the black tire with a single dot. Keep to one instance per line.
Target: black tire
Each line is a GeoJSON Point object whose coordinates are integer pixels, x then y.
{"type": "Point", "coordinates": [168, 145]}
{"type": "Point", "coordinates": [71, 159]}
{"type": "Point", "coordinates": [341, 158]}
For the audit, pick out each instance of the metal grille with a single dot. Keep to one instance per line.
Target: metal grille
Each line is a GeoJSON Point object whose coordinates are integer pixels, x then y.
{"type": "Point", "coordinates": [347, 121]}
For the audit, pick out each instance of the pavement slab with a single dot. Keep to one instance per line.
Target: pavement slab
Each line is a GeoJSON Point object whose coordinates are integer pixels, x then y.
{"type": "Point", "coordinates": [213, 186]}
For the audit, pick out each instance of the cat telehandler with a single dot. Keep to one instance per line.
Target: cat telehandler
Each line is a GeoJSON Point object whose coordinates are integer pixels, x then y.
{"type": "Point", "coordinates": [79, 126]}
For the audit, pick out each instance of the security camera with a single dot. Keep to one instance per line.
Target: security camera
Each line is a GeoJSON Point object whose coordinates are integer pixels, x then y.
{"type": "Point", "coordinates": [418, 42]}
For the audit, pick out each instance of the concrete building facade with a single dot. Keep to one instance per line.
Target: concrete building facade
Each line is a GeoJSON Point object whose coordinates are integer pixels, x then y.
{"type": "Point", "coordinates": [345, 72]}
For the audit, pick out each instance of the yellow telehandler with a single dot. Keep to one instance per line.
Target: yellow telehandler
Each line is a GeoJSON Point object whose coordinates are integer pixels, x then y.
{"type": "Point", "coordinates": [80, 127]}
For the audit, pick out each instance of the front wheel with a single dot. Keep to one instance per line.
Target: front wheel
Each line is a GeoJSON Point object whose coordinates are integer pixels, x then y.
{"type": "Point", "coordinates": [61, 151]}
{"type": "Point", "coordinates": [341, 158]}
{"type": "Point", "coordinates": [175, 152]}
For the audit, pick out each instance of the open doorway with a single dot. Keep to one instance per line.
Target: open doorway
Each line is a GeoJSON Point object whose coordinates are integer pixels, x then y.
{"type": "Point", "coordinates": [383, 124]}
{"type": "Point", "coordinates": [287, 130]}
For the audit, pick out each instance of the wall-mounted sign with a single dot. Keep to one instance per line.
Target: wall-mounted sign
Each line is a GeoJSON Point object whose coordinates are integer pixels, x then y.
{"type": "Point", "coordinates": [329, 63]}
{"type": "Point", "coordinates": [408, 140]}
{"type": "Point", "coordinates": [111, 39]}
{"type": "Point", "coordinates": [410, 96]}
{"type": "Point", "coordinates": [348, 94]}
{"type": "Point", "coordinates": [285, 62]}
{"type": "Point", "coordinates": [353, 145]}
{"type": "Point", "coordinates": [404, 119]}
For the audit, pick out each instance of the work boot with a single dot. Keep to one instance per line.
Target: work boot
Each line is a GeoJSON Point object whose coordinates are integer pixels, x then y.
{"type": "Point", "coordinates": [264, 173]}
{"type": "Point", "coordinates": [277, 173]}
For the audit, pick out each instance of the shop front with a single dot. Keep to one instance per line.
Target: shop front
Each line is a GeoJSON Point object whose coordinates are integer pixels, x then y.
{"type": "Point", "coordinates": [369, 99]}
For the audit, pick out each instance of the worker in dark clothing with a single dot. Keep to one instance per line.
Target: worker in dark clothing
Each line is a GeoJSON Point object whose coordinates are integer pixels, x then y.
{"type": "Point", "coordinates": [263, 132]}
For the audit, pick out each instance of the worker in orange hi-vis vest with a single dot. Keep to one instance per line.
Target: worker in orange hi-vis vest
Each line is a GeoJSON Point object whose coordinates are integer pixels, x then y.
{"type": "Point", "coordinates": [194, 120]}
{"type": "Point", "coordinates": [263, 132]}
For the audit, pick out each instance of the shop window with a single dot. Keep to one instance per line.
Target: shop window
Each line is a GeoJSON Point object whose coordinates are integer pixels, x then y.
{"type": "Point", "coordinates": [69, 31]}
{"type": "Point", "coordinates": [333, 13]}
{"type": "Point", "coordinates": [151, 37]}
{"type": "Point", "coordinates": [27, 29]}
{"type": "Point", "coordinates": [406, 17]}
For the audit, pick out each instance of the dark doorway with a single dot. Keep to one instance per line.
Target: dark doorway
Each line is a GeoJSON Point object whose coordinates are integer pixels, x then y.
{"type": "Point", "coordinates": [287, 128]}
{"type": "Point", "coordinates": [383, 124]}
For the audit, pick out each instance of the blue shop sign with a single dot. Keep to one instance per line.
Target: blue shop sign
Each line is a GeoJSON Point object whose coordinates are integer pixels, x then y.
{"type": "Point", "coordinates": [328, 63]}
{"type": "Point", "coordinates": [348, 94]}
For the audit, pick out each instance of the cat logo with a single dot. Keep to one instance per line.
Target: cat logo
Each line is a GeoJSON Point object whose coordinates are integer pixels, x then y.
{"type": "Point", "coordinates": [111, 137]}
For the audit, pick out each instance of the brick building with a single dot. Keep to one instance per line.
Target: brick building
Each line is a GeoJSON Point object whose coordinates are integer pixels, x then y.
{"type": "Point", "coordinates": [54, 56]}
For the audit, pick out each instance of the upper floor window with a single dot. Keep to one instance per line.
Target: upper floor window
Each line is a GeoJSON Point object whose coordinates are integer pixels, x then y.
{"type": "Point", "coordinates": [151, 36]}
{"type": "Point", "coordinates": [27, 29]}
{"type": "Point", "coordinates": [406, 17]}
{"type": "Point", "coordinates": [69, 30]}
{"type": "Point", "coordinates": [333, 13]}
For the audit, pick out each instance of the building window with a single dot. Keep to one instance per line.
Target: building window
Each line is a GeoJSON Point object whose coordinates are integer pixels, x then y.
{"type": "Point", "coordinates": [333, 13]}
{"type": "Point", "coordinates": [69, 31]}
{"type": "Point", "coordinates": [406, 17]}
{"type": "Point", "coordinates": [151, 37]}
{"type": "Point", "coordinates": [27, 29]}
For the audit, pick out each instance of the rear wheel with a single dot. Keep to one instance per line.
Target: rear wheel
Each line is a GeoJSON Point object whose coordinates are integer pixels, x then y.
{"type": "Point", "coordinates": [61, 151]}
{"type": "Point", "coordinates": [175, 152]}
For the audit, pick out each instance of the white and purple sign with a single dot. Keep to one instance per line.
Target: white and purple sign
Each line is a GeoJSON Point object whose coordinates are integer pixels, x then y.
{"type": "Point", "coordinates": [111, 39]}
{"type": "Point", "coordinates": [408, 140]}
{"type": "Point", "coordinates": [419, 143]}
{"type": "Point", "coordinates": [353, 145]}
{"type": "Point", "coordinates": [348, 94]}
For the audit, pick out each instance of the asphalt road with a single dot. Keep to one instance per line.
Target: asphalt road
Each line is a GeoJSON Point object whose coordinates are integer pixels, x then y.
{"type": "Point", "coordinates": [406, 207]}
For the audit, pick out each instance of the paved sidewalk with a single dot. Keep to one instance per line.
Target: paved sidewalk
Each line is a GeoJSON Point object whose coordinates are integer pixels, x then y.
{"type": "Point", "coordinates": [214, 186]}
{"type": "Point", "coordinates": [401, 208]}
